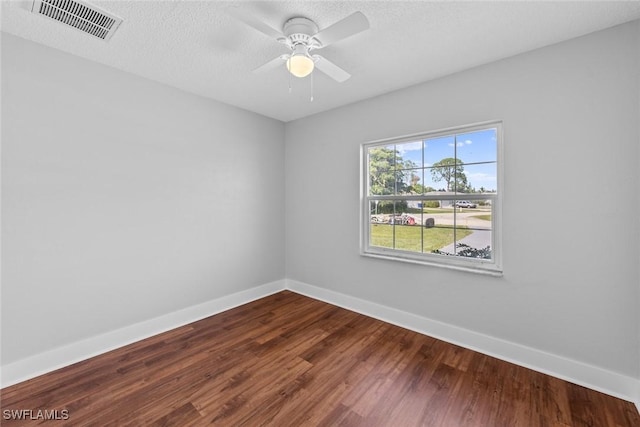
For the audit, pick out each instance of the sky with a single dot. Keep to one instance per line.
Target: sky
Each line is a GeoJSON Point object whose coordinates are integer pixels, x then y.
{"type": "Point", "coordinates": [474, 147]}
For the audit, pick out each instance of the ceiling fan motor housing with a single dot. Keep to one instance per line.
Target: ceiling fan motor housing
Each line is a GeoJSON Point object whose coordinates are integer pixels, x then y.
{"type": "Point", "coordinates": [301, 31]}
{"type": "Point", "coordinates": [300, 25]}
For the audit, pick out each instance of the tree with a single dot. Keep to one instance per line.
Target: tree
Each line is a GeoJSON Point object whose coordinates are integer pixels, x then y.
{"type": "Point", "coordinates": [451, 171]}
{"type": "Point", "coordinates": [390, 173]}
{"type": "Point", "coordinates": [381, 170]}
{"type": "Point", "coordinates": [414, 181]}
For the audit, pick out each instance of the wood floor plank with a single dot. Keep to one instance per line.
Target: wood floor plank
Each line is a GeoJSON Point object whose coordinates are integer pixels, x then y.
{"type": "Point", "coordinates": [289, 360]}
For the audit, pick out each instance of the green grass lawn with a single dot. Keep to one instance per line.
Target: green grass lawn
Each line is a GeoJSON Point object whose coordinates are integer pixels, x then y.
{"type": "Point", "coordinates": [409, 238]}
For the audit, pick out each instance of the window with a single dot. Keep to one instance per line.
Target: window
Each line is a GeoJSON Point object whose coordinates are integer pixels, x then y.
{"type": "Point", "coordinates": [434, 198]}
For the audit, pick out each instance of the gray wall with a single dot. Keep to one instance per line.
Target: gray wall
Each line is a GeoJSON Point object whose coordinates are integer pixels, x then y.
{"type": "Point", "coordinates": [124, 199]}
{"type": "Point", "coordinates": [571, 200]}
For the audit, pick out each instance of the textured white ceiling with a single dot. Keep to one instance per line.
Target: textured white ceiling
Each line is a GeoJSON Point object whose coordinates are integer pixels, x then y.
{"type": "Point", "coordinates": [196, 46]}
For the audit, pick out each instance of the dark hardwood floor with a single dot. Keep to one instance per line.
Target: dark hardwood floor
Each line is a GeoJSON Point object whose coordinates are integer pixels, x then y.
{"type": "Point", "coordinates": [288, 360]}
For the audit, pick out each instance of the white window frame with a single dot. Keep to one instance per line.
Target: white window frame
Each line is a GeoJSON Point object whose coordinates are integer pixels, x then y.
{"type": "Point", "coordinates": [491, 267]}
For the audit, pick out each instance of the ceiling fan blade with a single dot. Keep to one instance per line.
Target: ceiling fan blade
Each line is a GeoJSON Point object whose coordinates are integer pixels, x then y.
{"type": "Point", "coordinates": [271, 65]}
{"type": "Point", "coordinates": [255, 23]}
{"type": "Point", "coordinates": [331, 69]}
{"type": "Point", "coordinates": [352, 24]}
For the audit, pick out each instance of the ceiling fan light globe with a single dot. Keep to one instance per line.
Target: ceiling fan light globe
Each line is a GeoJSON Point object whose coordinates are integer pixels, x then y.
{"type": "Point", "coordinates": [300, 65]}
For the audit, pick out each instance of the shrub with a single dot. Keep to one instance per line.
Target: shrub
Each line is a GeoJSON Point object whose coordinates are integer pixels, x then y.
{"type": "Point", "coordinates": [432, 204]}
{"type": "Point", "coordinates": [387, 207]}
{"type": "Point", "coordinates": [468, 251]}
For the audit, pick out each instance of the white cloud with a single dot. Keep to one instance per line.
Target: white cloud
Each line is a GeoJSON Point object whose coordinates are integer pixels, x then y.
{"type": "Point", "coordinates": [468, 142]}
{"type": "Point", "coordinates": [459, 144]}
{"type": "Point", "coordinates": [409, 146]}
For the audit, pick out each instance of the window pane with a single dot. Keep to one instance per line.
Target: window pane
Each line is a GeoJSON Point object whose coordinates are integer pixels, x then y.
{"type": "Point", "coordinates": [430, 185]}
{"type": "Point", "coordinates": [406, 222]}
{"type": "Point", "coordinates": [480, 178]}
{"type": "Point", "coordinates": [438, 226]}
{"type": "Point", "coordinates": [381, 235]}
{"type": "Point", "coordinates": [408, 233]}
{"type": "Point", "coordinates": [472, 233]}
{"type": "Point", "coordinates": [375, 211]}
{"type": "Point", "coordinates": [384, 156]}
{"type": "Point", "coordinates": [477, 146]}
{"type": "Point", "coordinates": [411, 155]}
{"type": "Point", "coordinates": [382, 178]}
{"type": "Point", "coordinates": [436, 149]}
{"type": "Point", "coordinates": [382, 184]}
{"type": "Point", "coordinates": [445, 177]}
{"type": "Point", "coordinates": [409, 181]}
{"type": "Point", "coordinates": [380, 232]}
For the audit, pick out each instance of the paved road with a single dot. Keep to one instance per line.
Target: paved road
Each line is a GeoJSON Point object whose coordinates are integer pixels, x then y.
{"type": "Point", "coordinates": [478, 239]}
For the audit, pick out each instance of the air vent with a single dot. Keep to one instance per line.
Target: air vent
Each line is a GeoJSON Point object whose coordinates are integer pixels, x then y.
{"type": "Point", "coordinates": [83, 16]}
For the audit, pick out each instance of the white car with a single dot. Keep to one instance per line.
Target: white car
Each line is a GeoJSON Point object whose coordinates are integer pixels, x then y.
{"type": "Point", "coordinates": [465, 204]}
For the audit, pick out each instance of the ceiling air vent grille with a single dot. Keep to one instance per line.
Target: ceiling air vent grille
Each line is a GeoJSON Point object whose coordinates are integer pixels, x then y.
{"type": "Point", "coordinates": [83, 16]}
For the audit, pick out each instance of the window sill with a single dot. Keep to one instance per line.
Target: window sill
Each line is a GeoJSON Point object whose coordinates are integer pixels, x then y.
{"type": "Point", "coordinates": [451, 264]}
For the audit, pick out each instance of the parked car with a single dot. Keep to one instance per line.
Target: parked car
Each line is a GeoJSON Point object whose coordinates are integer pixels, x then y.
{"type": "Point", "coordinates": [465, 204]}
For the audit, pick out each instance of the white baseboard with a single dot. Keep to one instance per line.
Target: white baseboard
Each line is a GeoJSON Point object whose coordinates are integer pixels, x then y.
{"type": "Point", "coordinates": [60, 357]}
{"type": "Point", "coordinates": [580, 373]}
{"type": "Point", "coordinates": [599, 379]}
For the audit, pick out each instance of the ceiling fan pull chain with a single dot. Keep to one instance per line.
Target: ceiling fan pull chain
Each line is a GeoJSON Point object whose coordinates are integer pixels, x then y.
{"type": "Point", "coordinates": [311, 100]}
{"type": "Point", "coordinates": [289, 80]}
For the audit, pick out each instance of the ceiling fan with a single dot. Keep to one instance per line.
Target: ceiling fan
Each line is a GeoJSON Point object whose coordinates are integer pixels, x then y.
{"type": "Point", "coordinates": [302, 36]}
